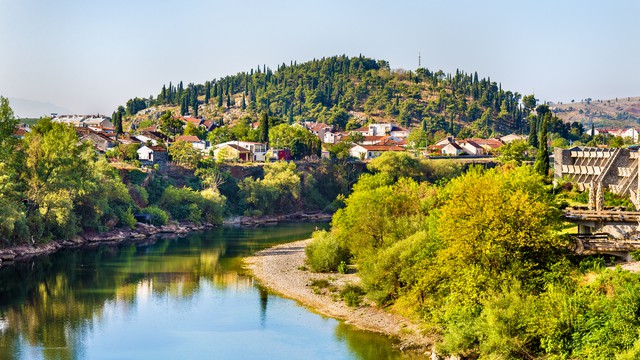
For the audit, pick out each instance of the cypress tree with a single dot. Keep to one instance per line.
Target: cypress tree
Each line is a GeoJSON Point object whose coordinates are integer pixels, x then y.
{"type": "Point", "coordinates": [244, 103]}
{"type": "Point", "coordinates": [207, 92]}
{"type": "Point", "coordinates": [533, 133]}
{"type": "Point", "coordinates": [264, 128]}
{"type": "Point", "coordinates": [184, 107]}
{"type": "Point", "coordinates": [541, 166]}
{"type": "Point", "coordinates": [220, 99]}
{"type": "Point", "coordinates": [118, 124]}
{"type": "Point", "coordinates": [228, 101]}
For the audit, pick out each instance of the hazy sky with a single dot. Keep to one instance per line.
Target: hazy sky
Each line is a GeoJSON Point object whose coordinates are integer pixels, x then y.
{"type": "Point", "coordinates": [90, 56]}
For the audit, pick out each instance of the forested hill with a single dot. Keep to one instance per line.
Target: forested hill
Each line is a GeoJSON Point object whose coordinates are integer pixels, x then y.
{"type": "Point", "coordinates": [347, 92]}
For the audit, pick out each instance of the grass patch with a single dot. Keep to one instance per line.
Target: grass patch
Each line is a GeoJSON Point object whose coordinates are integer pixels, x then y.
{"type": "Point", "coordinates": [321, 286]}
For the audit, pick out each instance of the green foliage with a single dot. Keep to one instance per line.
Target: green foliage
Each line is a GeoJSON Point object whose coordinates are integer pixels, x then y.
{"type": "Point", "coordinates": [184, 154]}
{"type": "Point", "coordinates": [342, 267]}
{"type": "Point", "coordinates": [541, 164]}
{"type": "Point", "coordinates": [352, 295]}
{"type": "Point", "coordinates": [159, 217]}
{"type": "Point", "coordinates": [330, 89]}
{"type": "Point", "coordinates": [169, 125]}
{"type": "Point", "coordinates": [128, 219]}
{"type": "Point", "coordinates": [279, 191]}
{"type": "Point", "coordinates": [515, 151]}
{"type": "Point", "coordinates": [185, 204]}
{"type": "Point", "coordinates": [300, 141]}
{"type": "Point", "coordinates": [397, 165]}
{"type": "Point", "coordinates": [324, 253]}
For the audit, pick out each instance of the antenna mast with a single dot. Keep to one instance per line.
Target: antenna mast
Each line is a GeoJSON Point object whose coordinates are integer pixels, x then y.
{"type": "Point", "coordinates": [419, 60]}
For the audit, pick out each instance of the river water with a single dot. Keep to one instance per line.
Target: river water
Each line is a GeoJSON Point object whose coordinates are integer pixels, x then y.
{"type": "Point", "coordinates": [186, 298]}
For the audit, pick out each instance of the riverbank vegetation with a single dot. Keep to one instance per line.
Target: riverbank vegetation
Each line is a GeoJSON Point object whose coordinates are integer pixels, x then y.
{"type": "Point", "coordinates": [54, 186]}
{"type": "Point", "coordinates": [480, 260]}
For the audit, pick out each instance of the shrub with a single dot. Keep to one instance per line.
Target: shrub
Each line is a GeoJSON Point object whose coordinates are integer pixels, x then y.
{"type": "Point", "coordinates": [352, 295]}
{"type": "Point", "coordinates": [324, 253]}
{"type": "Point", "coordinates": [158, 216]}
{"type": "Point", "coordinates": [128, 219]}
{"type": "Point", "coordinates": [342, 268]}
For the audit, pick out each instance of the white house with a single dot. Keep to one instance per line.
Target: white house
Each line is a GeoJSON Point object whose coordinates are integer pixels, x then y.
{"type": "Point", "coordinates": [382, 129]}
{"type": "Point", "coordinates": [257, 151]}
{"type": "Point", "coordinates": [149, 155]}
{"type": "Point", "coordinates": [452, 149]}
{"type": "Point", "coordinates": [331, 137]}
{"type": "Point", "coordinates": [446, 141]}
{"type": "Point", "coordinates": [366, 152]}
{"type": "Point", "coordinates": [471, 148]}
{"type": "Point", "coordinates": [95, 121]}
{"type": "Point", "coordinates": [145, 139]}
{"type": "Point", "coordinates": [194, 141]}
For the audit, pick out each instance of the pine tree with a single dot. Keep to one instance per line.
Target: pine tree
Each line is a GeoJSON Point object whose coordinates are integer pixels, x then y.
{"type": "Point", "coordinates": [541, 166]}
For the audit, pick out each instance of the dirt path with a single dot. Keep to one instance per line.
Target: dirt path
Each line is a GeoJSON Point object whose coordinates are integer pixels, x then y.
{"type": "Point", "coordinates": [281, 270]}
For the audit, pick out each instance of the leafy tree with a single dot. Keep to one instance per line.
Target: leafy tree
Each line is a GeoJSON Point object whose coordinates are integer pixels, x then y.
{"type": "Point", "coordinates": [169, 125]}
{"type": "Point", "coordinates": [191, 129]}
{"type": "Point", "coordinates": [397, 165]}
{"type": "Point", "coordinates": [8, 124]}
{"type": "Point", "coordinates": [300, 141]}
{"type": "Point", "coordinates": [516, 151]}
{"type": "Point", "coordinates": [184, 154]}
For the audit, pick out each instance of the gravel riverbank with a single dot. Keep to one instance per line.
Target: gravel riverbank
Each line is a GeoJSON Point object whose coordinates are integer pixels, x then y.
{"type": "Point", "coordinates": [281, 269]}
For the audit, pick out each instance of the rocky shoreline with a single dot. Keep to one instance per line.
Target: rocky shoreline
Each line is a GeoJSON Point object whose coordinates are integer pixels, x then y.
{"type": "Point", "coordinates": [282, 270]}
{"type": "Point", "coordinates": [141, 234]}
{"type": "Point", "coordinates": [250, 221]}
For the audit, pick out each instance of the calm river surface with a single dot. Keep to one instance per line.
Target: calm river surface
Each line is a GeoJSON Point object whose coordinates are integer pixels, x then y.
{"type": "Point", "coordinates": [184, 298]}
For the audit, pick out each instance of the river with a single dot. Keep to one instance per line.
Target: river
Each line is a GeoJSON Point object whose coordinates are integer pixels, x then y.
{"type": "Point", "coordinates": [186, 298]}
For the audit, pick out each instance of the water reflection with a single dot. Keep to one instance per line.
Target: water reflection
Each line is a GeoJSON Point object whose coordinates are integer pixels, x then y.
{"type": "Point", "coordinates": [68, 306]}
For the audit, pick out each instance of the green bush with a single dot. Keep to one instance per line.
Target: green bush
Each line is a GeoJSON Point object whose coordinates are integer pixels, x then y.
{"type": "Point", "coordinates": [185, 204]}
{"type": "Point", "coordinates": [342, 267]}
{"type": "Point", "coordinates": [324, 253]}
{"type": "Point", "coordinates": [159, 217]}
{"type": "Point", "coordinates": [352, 295]}
{"type": "Point", "coordinates": [128, 219]}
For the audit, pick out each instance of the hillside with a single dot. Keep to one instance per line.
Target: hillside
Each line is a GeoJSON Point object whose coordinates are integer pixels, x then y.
{"type": "Point", "coordinates": [346, 92]}
{"type": "Point", "coordinates": [617, 113]}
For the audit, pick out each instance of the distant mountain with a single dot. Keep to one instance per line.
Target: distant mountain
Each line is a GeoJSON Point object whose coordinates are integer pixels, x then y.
{"type": "Point", "coordinates": [620, 112]}
{"type": "Point", "coordinates": [346, 92]}
{"type": "Point", "coordinates": [34, 109]}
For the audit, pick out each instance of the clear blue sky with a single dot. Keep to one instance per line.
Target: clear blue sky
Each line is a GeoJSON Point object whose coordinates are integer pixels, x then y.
{"type": "Point", "coordinates": [90, 56]}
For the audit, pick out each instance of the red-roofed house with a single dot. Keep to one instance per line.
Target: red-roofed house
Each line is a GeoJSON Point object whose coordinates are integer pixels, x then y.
{"type": "Point", "coordinates": [230, 151]}
{"type": "Point", "coordinates": [193, 140]}
{"type": "Point", "coordinates": [471, 148]}
{"type": "Point", "coordinates": [488, 145]}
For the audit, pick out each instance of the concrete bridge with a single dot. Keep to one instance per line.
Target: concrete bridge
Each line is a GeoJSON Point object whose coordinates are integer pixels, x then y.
{"type": "Point", "coordinates": [608, 231]}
